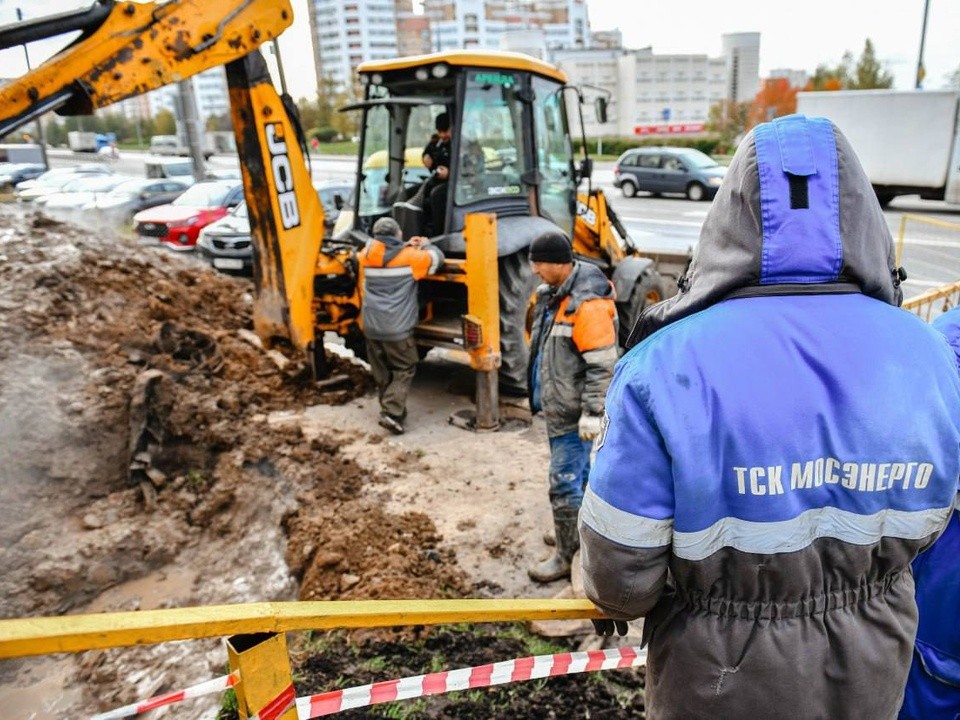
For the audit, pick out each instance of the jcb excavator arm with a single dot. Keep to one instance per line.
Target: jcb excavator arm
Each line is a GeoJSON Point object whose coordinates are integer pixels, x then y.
{"type": "Point", "coordinates": [286, 216]}
{"type": "Point", "coordinates": [127, 49]}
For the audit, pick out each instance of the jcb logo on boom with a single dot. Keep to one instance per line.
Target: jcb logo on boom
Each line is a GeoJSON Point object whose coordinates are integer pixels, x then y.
{"type": "Point", "coordinates": [282, 176]}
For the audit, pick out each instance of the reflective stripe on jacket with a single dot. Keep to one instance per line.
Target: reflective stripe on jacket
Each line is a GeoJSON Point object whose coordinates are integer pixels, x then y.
{"type": "Point", "coordinates": [575, 350]}
{"type": "Point", "coordinates": [389, 271]}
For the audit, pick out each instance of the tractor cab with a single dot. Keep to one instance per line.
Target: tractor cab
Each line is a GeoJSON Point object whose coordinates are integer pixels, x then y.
{"type": "Point", "coordinates": [510, 150]}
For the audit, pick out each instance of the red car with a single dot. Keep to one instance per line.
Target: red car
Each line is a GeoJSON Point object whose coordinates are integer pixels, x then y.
{"type": "Point", "coordinates": [178, 224]}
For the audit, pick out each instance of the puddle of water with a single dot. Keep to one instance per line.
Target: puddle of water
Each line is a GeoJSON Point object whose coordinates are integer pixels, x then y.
{"type": "Point", "coordinates": [165, 588]}
{"type": "Point", "coordinates": [47, 698]}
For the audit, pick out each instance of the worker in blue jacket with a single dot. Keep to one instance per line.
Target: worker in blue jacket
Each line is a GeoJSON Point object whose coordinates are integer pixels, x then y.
{"type": "Point", "coordinates": [933, 688]}
{"type": "Point", "coordinates": [779, 444]}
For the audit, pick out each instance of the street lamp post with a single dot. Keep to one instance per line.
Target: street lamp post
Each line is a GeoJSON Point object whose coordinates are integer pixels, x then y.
{"type": "Point", "coordinates": [923, 36]}
{"type": "Point", "coordinates": [40, 137]}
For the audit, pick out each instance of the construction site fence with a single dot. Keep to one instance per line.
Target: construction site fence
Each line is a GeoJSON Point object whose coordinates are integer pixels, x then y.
{"type": "Point", "coordinates": [936, 300]}
{"type": "Point", "coordinates": [260, 673]}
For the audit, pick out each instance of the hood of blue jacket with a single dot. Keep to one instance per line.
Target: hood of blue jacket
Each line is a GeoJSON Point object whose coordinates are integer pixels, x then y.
{"type": "Point", "coordinates": [795, 214]}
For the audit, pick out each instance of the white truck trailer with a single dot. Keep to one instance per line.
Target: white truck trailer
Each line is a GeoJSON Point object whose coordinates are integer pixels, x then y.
{"type": "Point", "coordinates": [22, 153]}
{"type": "Point", "coordinates": [80, 141]}
{"type": "Point", "coordinates": [908, 141]}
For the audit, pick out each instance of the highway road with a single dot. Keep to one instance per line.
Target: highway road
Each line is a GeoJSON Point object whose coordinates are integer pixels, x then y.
{"type": "Point", "coordinates": [931, 249]}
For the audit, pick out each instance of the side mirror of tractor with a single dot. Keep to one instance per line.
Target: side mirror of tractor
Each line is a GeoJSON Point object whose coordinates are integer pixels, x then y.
{"type": "Point", "coordinates": [600, 107]}
{"type": "Point", "coordinates": [586, 169]}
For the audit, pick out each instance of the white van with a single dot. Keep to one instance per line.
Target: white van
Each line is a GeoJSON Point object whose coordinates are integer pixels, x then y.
{"type": "Point", "coordinates": [179, 169]}
{"type": "Point", "coordinates": [171, 145]}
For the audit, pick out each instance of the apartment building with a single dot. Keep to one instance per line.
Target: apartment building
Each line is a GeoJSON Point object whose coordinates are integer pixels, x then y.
{"type": "Point", "coordinates": [349, 32]}
{"type": "Point", "coordinates": [653, 94]}
{"type": "Point", "coordinates": [211, 96]}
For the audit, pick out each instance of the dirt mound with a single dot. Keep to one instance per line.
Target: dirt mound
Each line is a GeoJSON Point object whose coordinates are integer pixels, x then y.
{"type": "Point", "coordinates": [140, 432]}
{"type": "Point", "coordinates": [154, 455]}
{"type": "Point", "coordinates": [127, 374]}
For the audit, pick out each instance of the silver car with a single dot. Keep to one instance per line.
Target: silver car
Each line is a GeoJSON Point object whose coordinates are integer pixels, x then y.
{"type": "Point", "coordinates": [130, 197]}
{"type": "Point", "coordinates": [658, 170]}
{"type": "Point", "coordinates": [226, 243]}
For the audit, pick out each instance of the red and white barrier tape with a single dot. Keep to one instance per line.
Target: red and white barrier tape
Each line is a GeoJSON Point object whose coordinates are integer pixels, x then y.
{"type": "Point", "coordinates": [480, 676]}
{"type": "Point", "coordinates": [278, 706]}
{"type": "Point", "coordinates": [204, 688]}
{"type": "Point", "coordinates": [528, 668]}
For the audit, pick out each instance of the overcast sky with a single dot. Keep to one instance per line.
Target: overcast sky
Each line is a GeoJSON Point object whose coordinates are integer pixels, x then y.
{"type": "Point", "coordinates": [797, 36]}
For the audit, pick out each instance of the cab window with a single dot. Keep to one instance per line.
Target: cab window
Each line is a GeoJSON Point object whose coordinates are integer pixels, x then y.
{"type": "Point", "coordinates": [491, 143]}
{"type": "Point", "coordinates": [554, 154]}
{"type": "Point", "coordinates": [372, 199]}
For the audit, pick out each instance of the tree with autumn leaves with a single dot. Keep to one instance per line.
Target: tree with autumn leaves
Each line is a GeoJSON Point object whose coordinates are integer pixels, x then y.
{"type": "Point", "coordinates": [777, 98]}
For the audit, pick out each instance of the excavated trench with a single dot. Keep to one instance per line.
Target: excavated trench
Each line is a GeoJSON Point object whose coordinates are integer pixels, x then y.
{"type": "Point", "coordinates": [148, 461]}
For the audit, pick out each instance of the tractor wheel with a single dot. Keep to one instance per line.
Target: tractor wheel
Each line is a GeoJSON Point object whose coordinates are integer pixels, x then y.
{"type": "Point", "coordinates": [517, 282]}
{"type": "Point", "coordinates": [648, 291]}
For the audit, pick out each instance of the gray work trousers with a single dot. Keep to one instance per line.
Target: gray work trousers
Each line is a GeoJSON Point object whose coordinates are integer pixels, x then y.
{"type": "Point", "coordinates": [393, 363]}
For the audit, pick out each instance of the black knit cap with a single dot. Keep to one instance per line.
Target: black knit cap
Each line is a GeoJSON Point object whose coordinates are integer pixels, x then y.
{"type": "Point", "coordinates": [442, 123]}
{"type": "Point", "coordinates": [551, 247]}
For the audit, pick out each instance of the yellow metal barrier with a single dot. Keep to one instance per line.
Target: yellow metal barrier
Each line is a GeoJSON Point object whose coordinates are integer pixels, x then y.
{"type": "Point", "coordinates": [923, 304]}
{"type": "Point", "coordinates": [256, 646]}
{"type": "Point", "coordinates": [949, 294]}
{"type": "Point", "coordinates": [23, 637]}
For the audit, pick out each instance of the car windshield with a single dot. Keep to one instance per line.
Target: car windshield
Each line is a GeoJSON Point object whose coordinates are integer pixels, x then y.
{"type": "Point", "coordinates": [240, 210]}
{"type": "Point", "coordinates": [91, 184]}
{"type": "Point", "coordinates": [56, 177]}
{"type": "Point", "coordinates": [698, 159]}
{"type": "Point", "coordinates": [130, 187]}
{"type": "Point", "coordinates": [162, 170]}
{"type": "Point", "coordinates": [328, 196]}
{"type": "Point", "coordinates": [204, 195]}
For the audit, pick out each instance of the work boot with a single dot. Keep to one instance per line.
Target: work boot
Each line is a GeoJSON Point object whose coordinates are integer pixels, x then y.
{"type": "Point", "coordinates": [392, 423]}
{"type": "Point", "coordinates": [557, 566]}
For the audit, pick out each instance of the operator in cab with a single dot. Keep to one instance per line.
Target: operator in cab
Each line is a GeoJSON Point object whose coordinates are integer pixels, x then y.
{"type": "Point", "coordinates": [436, 158]}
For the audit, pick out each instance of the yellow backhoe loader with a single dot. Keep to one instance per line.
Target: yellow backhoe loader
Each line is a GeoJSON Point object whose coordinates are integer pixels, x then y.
{"type": "Point", "coordinates": [513, 172]}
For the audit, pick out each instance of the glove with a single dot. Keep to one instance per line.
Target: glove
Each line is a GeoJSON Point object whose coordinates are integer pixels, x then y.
{"type": "Point", "coordinates": [606, 627]}
{"type": "Point", "coordinates": [589, 427]}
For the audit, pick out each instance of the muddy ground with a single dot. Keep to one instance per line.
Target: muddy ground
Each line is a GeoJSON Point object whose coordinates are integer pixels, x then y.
{"type": "Point", "coordinates": [153, 455]}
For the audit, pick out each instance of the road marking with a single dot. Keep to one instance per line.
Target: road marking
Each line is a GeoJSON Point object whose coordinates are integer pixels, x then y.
{"type": "Point", "coordinates": [682, 223]}
{"type": "Point", "coordinates": [931, 243]}
{"type": "Point", "coordinates": [926, 283]}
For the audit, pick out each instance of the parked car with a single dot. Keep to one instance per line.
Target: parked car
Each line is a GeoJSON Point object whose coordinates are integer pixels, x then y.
{"type": "Point", "coordinates": [668, 170]}
{"type": "Point", "coordinates": [130, 197]}
{"type": "Point", "coordinates": [178, 224]}
{"type": "Point", "coordinates": [166, 168]}
{"type": "Point", "coordinates": [334, 196]}
{"type": "Point", "coordinates": [54, 180]}
{"type": "Point", "coordinates": [226, 243]}
{"type": "Point", "coordinates": [11, 174]}
{"type": "Point", "coordinates": [83, 189]}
